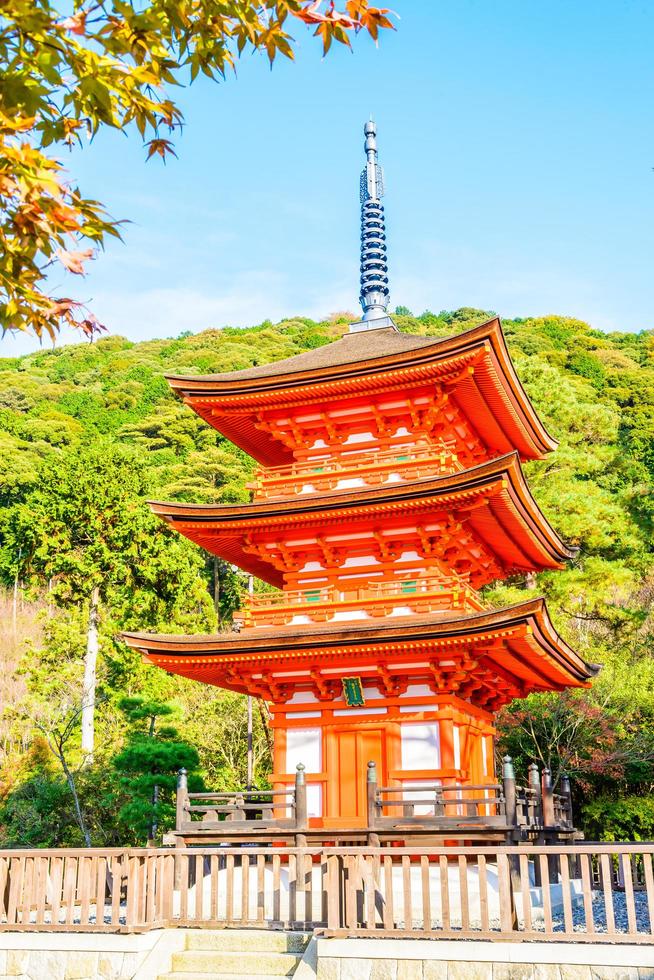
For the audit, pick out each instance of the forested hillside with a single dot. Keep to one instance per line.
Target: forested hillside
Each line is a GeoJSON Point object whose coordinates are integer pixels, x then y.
{"type": "Point", "coordinates": [90, 432]}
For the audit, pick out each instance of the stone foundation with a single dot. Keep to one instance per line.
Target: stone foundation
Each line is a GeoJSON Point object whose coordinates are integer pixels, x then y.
{"type": "Point", "coordinates": [73, 956]}
{"type": "Point", "coordinates": [421, 959]}
{"type": "Point", "coordinates": [80, 956]}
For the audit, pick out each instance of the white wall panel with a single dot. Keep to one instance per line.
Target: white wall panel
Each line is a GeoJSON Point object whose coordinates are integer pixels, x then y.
{"type": "Point", "coordinates": [314, 800]}
{"type": "Point", "coordinates": [304, 745]}
{"type": "Point", "coordinates": [420, 745]}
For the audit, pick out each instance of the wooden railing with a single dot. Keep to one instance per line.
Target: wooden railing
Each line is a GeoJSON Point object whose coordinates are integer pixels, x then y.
{"type": "Point", "coordinates": [583, 893]}
{"type": "Point", "coordinates": [93, 890]}
{"type": "Point", "coordinates": [372, 468]}
{"type": "Point", "coordinates": [419, 594]}
{"type": "Point", "coordinates": [230, 815]}
{"type": "Point", "coordinates": [516, 892]}
{"type": "Point", "coordinates": [394, 813]}
{"type": "Point", "coordinates": [520, 812]}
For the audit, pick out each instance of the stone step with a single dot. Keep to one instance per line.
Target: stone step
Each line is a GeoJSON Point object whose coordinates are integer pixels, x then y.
{"type": "Point", "coordinates": [232, 940]}
{"type": "Point", "coordinates": [256, 962]}
{"type": "Point", "coordinates": [180, 975]}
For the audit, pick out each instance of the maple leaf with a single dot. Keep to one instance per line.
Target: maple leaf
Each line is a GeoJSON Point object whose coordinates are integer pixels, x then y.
{"type": "Point", "coordinates": [65, 216]}
{"type": "Point", "coordinates": [90, 325]}
{"type": "Point", "coordinates": [98, 65]}
{"type": "Point", "coordinates": [160, 146]}
{"type": "Point", "coordinates": [74, 261]}
{"type": "Point", "coordinates": [76, 23]}
{"type": "Point", "coordinates": [311, 14]}
{"type": "Point", "coordinates": [60, 307]}
{"type": "Point", "coordinates": [18, 125]}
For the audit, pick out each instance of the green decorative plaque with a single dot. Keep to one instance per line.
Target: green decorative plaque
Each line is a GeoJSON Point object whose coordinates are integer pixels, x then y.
{"type": "Point", "coordinates": [353, 692]}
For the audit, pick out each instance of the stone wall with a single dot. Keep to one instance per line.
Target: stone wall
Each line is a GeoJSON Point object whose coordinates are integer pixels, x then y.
{"type": "Point", "coordinates": [79, 956]}
{"type": "Point", "coordinates": [411, 959]}
{"type": "Point", "coordinates": [72, 956]}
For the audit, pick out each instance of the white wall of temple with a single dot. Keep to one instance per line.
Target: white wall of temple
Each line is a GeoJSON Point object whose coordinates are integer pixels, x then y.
{"type": "Point", "coordinates": [415, 745]}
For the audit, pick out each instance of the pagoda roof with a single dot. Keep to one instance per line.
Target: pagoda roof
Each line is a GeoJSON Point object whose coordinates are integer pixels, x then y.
{"type": "Point", "coordinates": [475, 363]}
{"type": "Point", "coordinates": [351, 348]}
{"type": "Point", "coordinates": [517, 645]}
{"type": "Point", "coordinates": [492, 499]}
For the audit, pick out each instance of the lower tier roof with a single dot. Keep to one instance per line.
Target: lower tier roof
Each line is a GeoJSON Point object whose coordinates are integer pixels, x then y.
{"type": "Point", "coordinates": [487, 658]}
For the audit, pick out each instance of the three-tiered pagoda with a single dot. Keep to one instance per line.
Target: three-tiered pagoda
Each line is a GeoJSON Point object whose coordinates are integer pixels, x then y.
{"type": "Point", "coordinates": [390, 491]}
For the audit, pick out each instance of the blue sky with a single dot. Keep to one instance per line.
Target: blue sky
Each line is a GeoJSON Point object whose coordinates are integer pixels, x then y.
{"type": "Point", "coordinates": [518, 146]}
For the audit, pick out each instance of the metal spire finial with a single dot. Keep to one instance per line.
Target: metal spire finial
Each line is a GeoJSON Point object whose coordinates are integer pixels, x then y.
{"type": "Point", "coordinates": [374, 270]}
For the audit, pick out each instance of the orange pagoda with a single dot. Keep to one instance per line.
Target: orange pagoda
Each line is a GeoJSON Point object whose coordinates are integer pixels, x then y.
{"type": "Point", "coordinates": [390, 491]}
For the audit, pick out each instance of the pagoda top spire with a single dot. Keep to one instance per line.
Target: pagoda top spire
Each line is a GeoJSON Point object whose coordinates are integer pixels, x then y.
{"type": "Point", "coordinates": [372, 176]}
{"type": "Point", "coordinates": [374, 269]}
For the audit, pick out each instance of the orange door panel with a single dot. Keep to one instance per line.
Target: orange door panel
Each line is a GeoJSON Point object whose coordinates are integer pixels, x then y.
{"type": "Point", "coordinates": [355, 749]}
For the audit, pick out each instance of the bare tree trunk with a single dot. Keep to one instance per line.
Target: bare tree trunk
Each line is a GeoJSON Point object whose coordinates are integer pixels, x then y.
{"type": "Point", "coordinates": [57, 742]}
{"type": "Point", "coordinates": [250, 772]}
{"type": "Point", "coordinates": [70, 779]}
{"type": "Point", "coordinates": [90, 663]}
{"type": "Point", "coordinates": [15, 602]}
{"type": "Point", "coordinates": [216, 586]}
{"type": "Point", "coordinates": [265, 726]}
{"type": "Point", "coordinates": [14, 609]}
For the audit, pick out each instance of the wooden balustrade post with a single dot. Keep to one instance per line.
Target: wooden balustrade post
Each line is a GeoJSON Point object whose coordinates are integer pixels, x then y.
{"type": "Point", "coordinates": [566, 793]}
{"type": "Point", "coordinates": [239, 813]}
{"type": "Point", "coordinates": [371, 790]}
{"type": "Point", "coordinates": [301, 816]}
{"type": "Point", "coordinates": [549, 820]}
{"type": "Point", "coordinates": [547, 799]}
{"type": "Point", "coordinates": [568, 819]}
{"type": "Point", "coordinates": [181, 816]}
{"type": "Point", "coordinates": [535, 811]}
{"type": "Point", "coordinates": [511, 817]}
{"type": "Point", "coordinates": [533, 783]}
{"type": "Point", "coordinates": [182, 798]}
{"type": "Point", "coordinates": [510, 801]}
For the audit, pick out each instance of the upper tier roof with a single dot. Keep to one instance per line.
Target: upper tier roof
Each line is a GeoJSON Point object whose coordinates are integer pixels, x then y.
{"type": "Point", "coordinates": [475, 363]}
{"type": "Point", "coordinates": [351, 348]}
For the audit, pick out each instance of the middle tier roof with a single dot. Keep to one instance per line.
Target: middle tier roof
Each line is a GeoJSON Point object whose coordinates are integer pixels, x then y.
{"type": "Point", "coordinates": [482, 523]}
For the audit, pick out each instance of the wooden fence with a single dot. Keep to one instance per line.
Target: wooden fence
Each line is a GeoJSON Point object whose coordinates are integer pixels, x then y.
{"type": "Point", "coordinates": [584, 892]}
{"type": "Point", "coordinates": [488, 812]}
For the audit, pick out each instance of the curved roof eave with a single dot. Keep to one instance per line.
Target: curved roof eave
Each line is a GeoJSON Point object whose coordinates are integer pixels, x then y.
{"type": "Point", "coordinates": [315, 367]}
{"type": "Point", "coordinates": [532, 613]}
{"type": "Point", "coordinates": [502, 468]}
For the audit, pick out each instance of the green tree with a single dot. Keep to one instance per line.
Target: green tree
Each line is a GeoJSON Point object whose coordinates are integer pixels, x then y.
{"type": "Point", "coordinates": [53, 707]}
{"type": "Point", "coordinates": [86, 533]}
{"type": "Point", "coordinates": [609, 818]}
{"type": "Point", "coordinates": [217, 473]}
{"type": "Point", "coordinates": [148, 767]}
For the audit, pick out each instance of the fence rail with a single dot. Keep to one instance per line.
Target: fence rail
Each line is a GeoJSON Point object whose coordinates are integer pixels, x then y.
{"type": "Point", "coordinates": [584, 892]}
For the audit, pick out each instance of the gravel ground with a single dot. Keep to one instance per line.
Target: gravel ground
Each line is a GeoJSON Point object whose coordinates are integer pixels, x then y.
{"type": "Point", "coordinates": [578, 917]}
{"type": "Point", "coordinates": [619, 912]}
{"type": "Point", "coordinates": [599, 915]}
